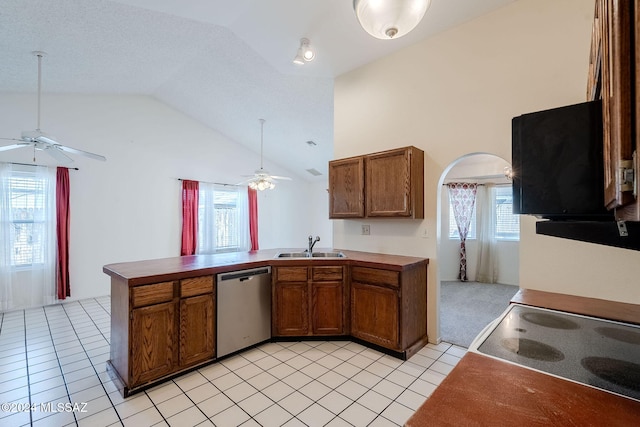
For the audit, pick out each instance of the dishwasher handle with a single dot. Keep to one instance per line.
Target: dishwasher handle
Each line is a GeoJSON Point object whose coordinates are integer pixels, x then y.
{"type": "Point", "coordinates": [243, 275]}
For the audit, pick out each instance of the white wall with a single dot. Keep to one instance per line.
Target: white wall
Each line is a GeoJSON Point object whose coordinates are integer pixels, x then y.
{"type": "Point", "coordinates": [455, 94]}
{"type": "Point", "coordinates": [128, 208]}
{"type": "Point", "coordinates": [449, 253]}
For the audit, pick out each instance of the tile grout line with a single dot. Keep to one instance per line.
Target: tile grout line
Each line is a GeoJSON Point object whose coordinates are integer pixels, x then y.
{"type": "Point", "coordinates": [26, 360]}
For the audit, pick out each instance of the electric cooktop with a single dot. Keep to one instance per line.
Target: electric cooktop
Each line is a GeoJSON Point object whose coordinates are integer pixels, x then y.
{"type": "Point", "coordinates": [596, 352]}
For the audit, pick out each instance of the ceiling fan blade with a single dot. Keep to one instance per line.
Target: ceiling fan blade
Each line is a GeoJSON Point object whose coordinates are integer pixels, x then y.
{"type": "Point", "coordinates": [46, 139]}
{"type": "Point", "coordinates": [80, 152]}
{"type": "Point", "coordinates": [11, 139]}
{"type": "Point", "coordinates": [286, 178]}
{"type": "Point", "coordinates": [12, 146]}
{"type": "Point", "coordinates": [54, 152]}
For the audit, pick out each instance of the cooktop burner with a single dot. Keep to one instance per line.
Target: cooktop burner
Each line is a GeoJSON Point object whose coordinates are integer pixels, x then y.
{"type": "Point", "coordinates": [623, 335]}
{"type": "Point", "coordinates": [595, 352]}
{"type": "Point", "coordinates": [619, 372]}
{"type": "Point", "coordinates": [532, 349]}
{"type": "Point", "coordinates": [549, 320]}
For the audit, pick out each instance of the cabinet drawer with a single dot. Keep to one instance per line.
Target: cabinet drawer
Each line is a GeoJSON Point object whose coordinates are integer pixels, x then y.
{"type": "Point", "coordinates": [151, 294]}
{"type": "Point", "coordinates": [375, 276]}
{"type": "Point", "coordinates": [196, 286]}
{"type": "Point", "coordinates": [291, 274]}
{"type": "Point", "coordinates": [326, 273]}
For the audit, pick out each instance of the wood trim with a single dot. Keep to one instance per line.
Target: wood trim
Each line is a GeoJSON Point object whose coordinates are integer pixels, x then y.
{"type": "Point", "coordinates": [612, 310]}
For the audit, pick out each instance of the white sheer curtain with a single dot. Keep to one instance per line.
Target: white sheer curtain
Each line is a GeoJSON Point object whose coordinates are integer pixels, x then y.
{"type": "Point", "coordinates": [223, 219]}
{"type": "Point", "coordinates": [27, 236]}
{"type": "Point", "coordinates": [487, 266]}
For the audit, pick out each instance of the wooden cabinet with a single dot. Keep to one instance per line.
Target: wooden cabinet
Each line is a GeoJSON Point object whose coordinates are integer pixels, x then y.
{"type": "Point", "coordinates": [197, 320]}
{"type": "Point", "coordinates": [154, 342]}
{"type": "Point", "coordinates": [170, 327]}
{"type": "Point", "coordinates": [388, 307]}
{"type": "Point", "coordinates": [393, 183]}
{"type": "Point", "coordinates": [308, 300]}
{"type": "Point", "coordinates": [327, 300]}
{"type": "Point", "coordinates": [346, 188]}
{"type": "Point", "coordinates": [291, 296]}
{"type": "Point", "coordinates": [374, 314]}
{"type": "Point", "coordinates": [614, 77]}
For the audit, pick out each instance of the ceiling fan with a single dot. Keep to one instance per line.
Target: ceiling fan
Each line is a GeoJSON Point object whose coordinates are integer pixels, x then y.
{"type": "Point", "coordinates": [41, 141]}
{"type": "Point", "coordinates": [261, 179]}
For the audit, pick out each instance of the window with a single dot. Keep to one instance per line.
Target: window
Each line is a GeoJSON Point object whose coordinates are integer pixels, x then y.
{"type": "Point", "coordinates": [28, 218]}
{"type": "Point", "coordinates": [507, 224]}
{"type": "Point", "coordinates": [222, 219]}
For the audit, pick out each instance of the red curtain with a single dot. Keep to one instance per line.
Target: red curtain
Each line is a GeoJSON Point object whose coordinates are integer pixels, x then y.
{"type": "Point", "coordinates": [189, 217]}
{"type": "Point", "coordinates": [62, 232]}
{"type": "Point", "coordinates": [253, 218]}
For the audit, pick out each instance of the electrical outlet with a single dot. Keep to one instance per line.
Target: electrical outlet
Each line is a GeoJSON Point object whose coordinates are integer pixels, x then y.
{"type": "Point", "coordinates": [366, 230]}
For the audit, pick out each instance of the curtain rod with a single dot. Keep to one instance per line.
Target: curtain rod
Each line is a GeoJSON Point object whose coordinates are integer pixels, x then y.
{"type": "Point", "coordinates": [447, 183]}
{"type": "Point", "coordinates": [503, 184]}
{"type": "Point", "coordinates": [207, 182]}
{"type": "Point", "coordinates": [31, 164]}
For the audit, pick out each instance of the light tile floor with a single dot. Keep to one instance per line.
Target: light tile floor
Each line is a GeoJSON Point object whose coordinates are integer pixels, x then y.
{"type": "Point", "coordinates": [53, 373]}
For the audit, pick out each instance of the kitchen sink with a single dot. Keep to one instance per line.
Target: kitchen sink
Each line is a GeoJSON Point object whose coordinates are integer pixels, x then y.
{"type": "Point", "coordinates": [313, 255]}
{"type": "Point", "coordinates": [328, 255]}
{"type": "Point", "coordinates": [292, 255]}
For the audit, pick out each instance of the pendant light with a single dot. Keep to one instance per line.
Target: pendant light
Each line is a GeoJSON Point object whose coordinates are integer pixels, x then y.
{"type": "Point", "coordinates": [389, 19]}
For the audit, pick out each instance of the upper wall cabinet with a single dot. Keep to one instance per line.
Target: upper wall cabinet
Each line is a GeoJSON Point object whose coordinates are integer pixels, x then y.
{"type": "Point", "coordinates": [346, 188]}
{"type": "Point", "coordinates": [613, 76]}
{"type": "Point", "coordinates": [386, 184]}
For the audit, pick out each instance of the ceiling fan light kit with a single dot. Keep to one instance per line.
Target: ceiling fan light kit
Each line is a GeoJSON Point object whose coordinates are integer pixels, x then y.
{"type": "Point", "coordinates": [41, 141]}
{"type": "Point", "coordinates": [390, 19]}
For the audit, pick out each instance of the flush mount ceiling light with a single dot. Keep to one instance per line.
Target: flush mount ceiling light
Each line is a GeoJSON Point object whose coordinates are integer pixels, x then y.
{"type": "Point", "coordinates": [305, 53]}
{"type": "Point", "coordinates": [388, 19]}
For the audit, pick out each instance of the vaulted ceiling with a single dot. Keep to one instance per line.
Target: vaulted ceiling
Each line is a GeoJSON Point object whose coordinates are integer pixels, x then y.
{"type": "Point", "coordinates": [226, 63]}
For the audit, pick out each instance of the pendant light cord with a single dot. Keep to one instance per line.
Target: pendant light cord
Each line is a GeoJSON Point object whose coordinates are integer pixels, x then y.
{"type": "Point", "coordinates": [39, 55]}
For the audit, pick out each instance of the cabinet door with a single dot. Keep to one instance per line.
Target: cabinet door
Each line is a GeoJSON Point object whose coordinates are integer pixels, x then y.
{"type": "Point", "coordinates": [375, 314]}
{"type": "Point", "coordinates": [346, 188]}
{"type": "Point", "coordinates": [327, 308]}
{"type": "Point", "coordinates": [291, 309]}
{"type": "Point", "coordinates": [197, 326]}
{"type": "Point", "coordinates": [395, 183]}
{"type": "Point", "coordinates": [153, 342]}
{"type": "Point", "coordinates": [616, 32]}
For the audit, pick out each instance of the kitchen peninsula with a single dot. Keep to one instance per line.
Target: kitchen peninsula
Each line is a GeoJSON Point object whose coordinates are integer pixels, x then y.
{"type": "Point", "coordinates": [164, 317]}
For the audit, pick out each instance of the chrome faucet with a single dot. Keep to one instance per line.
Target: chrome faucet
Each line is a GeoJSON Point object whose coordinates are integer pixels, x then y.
{"type": "Point", "coordinates": [312, 242]}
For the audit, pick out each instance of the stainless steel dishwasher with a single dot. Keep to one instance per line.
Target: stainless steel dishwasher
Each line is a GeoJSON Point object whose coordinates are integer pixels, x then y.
{"type": "Point", "coordinates": [244, 309]}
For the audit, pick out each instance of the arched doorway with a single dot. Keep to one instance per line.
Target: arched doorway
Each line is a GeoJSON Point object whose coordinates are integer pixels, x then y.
{"type": "Point", "coordinates": [462, 309]}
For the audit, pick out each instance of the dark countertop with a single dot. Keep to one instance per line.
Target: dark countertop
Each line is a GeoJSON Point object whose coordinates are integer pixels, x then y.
{"type": "Point", "coordinates": [485, 391]}
{"type": "Point", "coordinates": [165, 269]}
